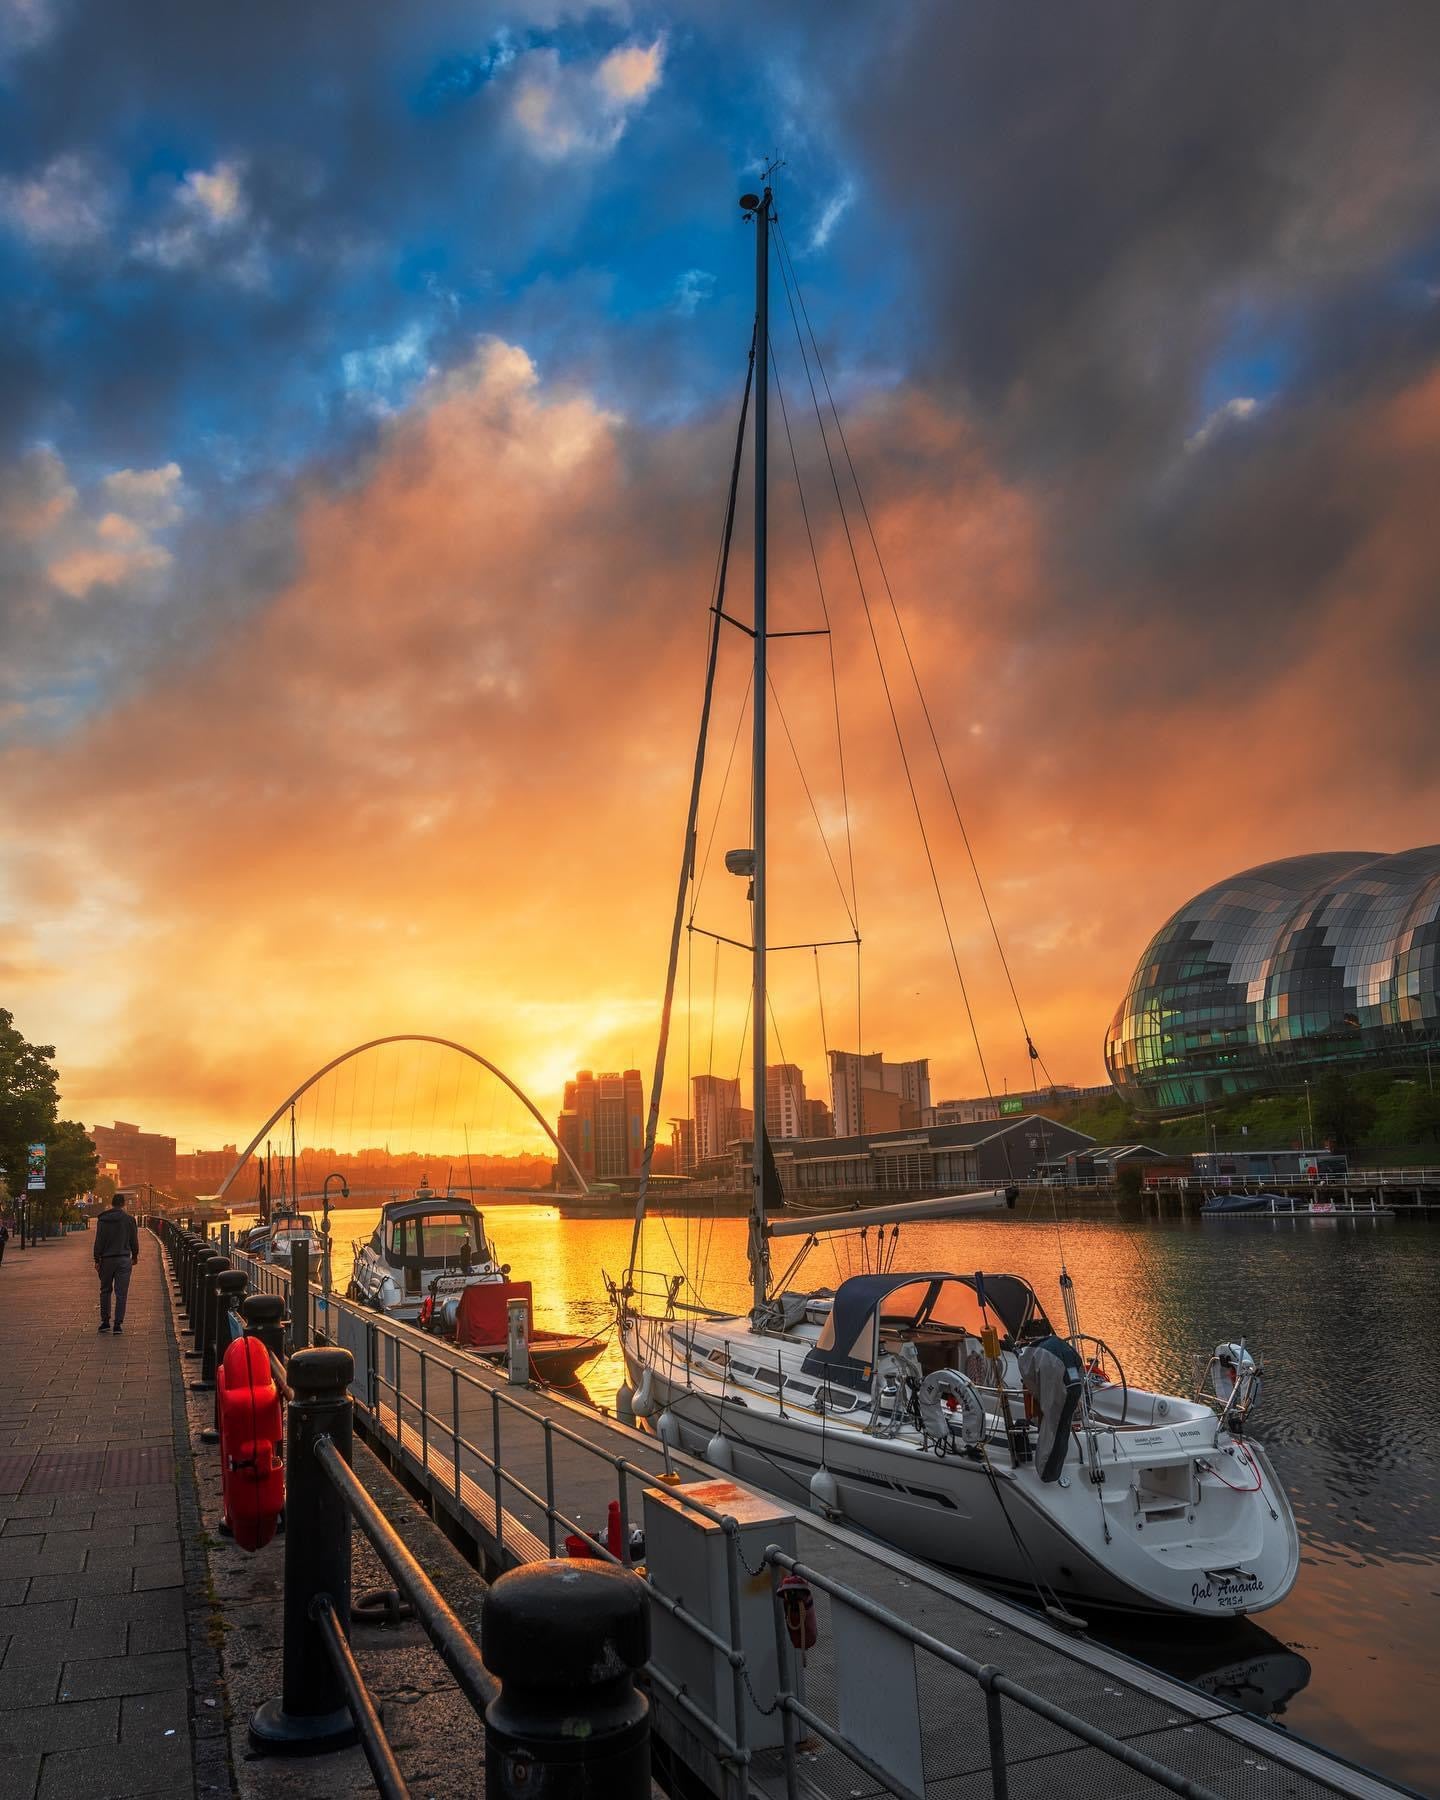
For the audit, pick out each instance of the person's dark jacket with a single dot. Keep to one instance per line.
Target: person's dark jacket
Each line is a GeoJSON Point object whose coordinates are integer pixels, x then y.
{"type": "Point", "coordinates": [116, 1235]}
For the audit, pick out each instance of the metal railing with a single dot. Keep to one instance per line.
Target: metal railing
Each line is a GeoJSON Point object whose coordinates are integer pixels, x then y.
{"type": "Point", "coordinates": [589, 1718]}
{"type": "Point", "coordinates": [399, 1379]}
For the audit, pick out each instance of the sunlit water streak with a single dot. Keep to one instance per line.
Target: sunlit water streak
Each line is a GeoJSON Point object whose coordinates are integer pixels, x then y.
{"type": "Point", "coordinates": [1347, 1317]}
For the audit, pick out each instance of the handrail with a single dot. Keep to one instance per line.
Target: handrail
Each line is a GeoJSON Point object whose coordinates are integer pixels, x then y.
{"type": "Point", "coordinates": [454, 1645]}
{"type": "Point", "coordinates": [992, 1680]}
{"type": "Point", "coordinates": [390, 1784]}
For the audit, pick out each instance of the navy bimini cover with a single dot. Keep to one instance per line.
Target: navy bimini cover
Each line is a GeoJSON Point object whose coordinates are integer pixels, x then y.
{"type": "Point", "coordinates": [904, 1301]}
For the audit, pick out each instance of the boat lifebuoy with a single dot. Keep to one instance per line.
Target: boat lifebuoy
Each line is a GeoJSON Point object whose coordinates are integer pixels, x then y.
{"type": "Point", "coordinates": [798, 1605]}
{"type": "Point", "coordinates": [252, 1475]}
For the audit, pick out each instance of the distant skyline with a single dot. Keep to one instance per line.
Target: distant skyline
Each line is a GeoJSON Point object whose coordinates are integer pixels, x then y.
{"type": "Point", "coordinates": [368, 406]}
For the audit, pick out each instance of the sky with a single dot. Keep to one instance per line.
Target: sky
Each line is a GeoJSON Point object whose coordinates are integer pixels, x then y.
{"type": "Point", "coordinates": [368, 386]}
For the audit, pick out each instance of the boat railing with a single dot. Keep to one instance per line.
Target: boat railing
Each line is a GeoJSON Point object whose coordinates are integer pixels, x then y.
{"type": "Point", "coordinates": [466, 1435]}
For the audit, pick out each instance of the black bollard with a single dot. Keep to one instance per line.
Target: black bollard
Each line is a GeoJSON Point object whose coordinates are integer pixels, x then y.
{"type": "Point", "coordinates": [264, 1316]}
{"type": "Point", "coordinates": [227, 1290]}
{"type": "Point", "coordinates": [564, 1639]}
{"type": "Point", "coordinates": [300, 1296]}
{"type": "Point", "coordinates": [210, 1267]}
{"type": "Point", "coordinates": [311, 1716]}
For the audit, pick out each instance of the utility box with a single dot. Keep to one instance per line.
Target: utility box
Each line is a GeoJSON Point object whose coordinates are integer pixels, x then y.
{"type": "Point", "coordinates": [687, 1558]}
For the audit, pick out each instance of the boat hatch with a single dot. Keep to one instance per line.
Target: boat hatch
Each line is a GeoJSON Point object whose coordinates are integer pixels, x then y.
{"type": "Point", "coordinates": [870, 1312]}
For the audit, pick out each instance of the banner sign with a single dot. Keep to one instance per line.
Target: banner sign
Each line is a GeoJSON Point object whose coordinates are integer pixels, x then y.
{"type": "Point", "coordinates": [35, 1166]}
{"type": "Point", "coordinates": [1012, 1103]}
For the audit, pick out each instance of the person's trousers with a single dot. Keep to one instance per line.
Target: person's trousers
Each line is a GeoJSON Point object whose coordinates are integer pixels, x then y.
{"type": "Point", "coordinates": [114, 1277]}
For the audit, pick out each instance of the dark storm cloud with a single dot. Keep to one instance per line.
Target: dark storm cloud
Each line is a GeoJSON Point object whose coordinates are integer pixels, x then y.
{"type": "Point", "coordinates": [1095, 191]}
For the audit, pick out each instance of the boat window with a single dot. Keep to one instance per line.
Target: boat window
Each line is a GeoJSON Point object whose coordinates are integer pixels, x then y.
{"type": "Point", "coordinates": [445, 1237]}
{"type": "Point", "coordinates": [957, 1308]}
{"type": "Point", "coordinates": [402, 1240]}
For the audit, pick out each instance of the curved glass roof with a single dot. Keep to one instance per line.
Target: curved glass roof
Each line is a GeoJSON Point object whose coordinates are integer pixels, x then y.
{"type": "Point", "coordinates": [1278, 970]}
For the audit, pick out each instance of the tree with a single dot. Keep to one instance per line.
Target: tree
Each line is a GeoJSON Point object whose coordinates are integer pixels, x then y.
{"type": "Point", "coordinates": [71, 1163]}
{"type": "Point", "coordinates": [1343, 1113]}
{"type": "Point", "coordinates": [29, 1099]}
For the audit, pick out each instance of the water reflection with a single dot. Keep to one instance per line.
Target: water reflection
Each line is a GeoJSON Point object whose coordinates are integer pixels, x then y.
{"type": "Point", "coordinates": [1347, 1317]}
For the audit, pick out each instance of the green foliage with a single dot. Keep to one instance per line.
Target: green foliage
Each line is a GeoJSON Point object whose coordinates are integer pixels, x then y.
{"type": "Point", "coordinates": [29, 1099]}
{"type": "Point", "coordinates": [1130, 1181]}
{"type": "Point", "coordinates": [1344, 1112]}
{"type": "Point", "coordinates": [29, 1108]}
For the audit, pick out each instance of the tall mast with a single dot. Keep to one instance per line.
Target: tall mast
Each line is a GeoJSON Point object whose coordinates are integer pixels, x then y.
{"type": "Point", "coordinates": [759, 1245]}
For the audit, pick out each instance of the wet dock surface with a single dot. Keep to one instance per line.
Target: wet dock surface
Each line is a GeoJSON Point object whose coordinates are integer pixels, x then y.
{"type": "Point", "coordinates": [95, 1680]}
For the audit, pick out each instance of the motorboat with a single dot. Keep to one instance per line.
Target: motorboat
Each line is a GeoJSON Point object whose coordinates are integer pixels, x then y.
{"type": "Point", "coordinates": [430, 1246]}
{"type": "Point", "coordinates": [1238, 1200]}
{"type": "Point", "coordinates": [940, 1411]}
{"type": "Point", "coordinates": [285, 1231]}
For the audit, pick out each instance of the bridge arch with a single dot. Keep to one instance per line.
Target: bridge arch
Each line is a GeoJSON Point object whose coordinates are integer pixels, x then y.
{"type": "Point", "coordinates": [404, 1037]}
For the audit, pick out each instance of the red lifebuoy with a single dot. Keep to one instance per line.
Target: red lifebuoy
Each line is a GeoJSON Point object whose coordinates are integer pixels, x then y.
{"type": "Point", "coordinates": [798, 1604]}
{"type": "Point", "coordinates": [252, 1476]}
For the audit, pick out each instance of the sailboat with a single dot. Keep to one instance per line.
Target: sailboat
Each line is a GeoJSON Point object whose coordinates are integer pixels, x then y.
{"type": "Point", "coordinates": [943, 1412]}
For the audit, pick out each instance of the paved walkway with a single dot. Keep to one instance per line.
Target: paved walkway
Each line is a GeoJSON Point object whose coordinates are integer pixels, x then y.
{"type": "Point", "coordinates": [94, 1677]}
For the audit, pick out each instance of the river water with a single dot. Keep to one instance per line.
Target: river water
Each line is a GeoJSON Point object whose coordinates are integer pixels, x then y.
{"type": "Point", "coordinates": [1347, 1318]}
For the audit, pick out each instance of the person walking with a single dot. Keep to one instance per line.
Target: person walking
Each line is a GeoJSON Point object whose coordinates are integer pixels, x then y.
{"type": "Point", "coordinates": [4, 1238]}
{"type": "Point", "coordinates": [117, 1250]}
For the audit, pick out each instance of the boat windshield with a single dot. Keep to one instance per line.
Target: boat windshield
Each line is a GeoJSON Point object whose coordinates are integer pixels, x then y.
{"type": "Point", "coordinates": [438, 1240]}
{"type": "Point", "coordinates": [292, 1222]}
{"type": "Point", "coordinates": [874, 1312]}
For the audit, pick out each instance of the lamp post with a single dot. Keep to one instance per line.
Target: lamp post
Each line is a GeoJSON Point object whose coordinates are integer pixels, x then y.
{"type": "Point", "coordinates": [325, 1226]}
{"type": "Point", "coordinates": [1310, 1113]}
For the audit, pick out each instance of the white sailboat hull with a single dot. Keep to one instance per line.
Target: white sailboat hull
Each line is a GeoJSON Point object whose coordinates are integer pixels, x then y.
{"type": "Point", "coordinates": [1223, 1555]}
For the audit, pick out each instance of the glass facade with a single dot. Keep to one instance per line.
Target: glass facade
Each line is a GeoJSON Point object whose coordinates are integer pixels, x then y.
{"type": "Point", "coordinates": [1280, 971]}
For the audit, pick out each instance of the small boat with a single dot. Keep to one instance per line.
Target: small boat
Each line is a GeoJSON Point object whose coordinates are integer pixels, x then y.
{"type": "Point", "coordinates": [1237, 1201]}
{"type": "Point", "coordinates": [478, 1321]}
{"type": "Point", "coordinates": [428, 1247]}
{"type": "Point", "coordinates": [285, 1231]}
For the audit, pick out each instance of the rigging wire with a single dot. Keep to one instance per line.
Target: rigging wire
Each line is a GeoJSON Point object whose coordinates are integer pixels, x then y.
{"type": "Point", "coordinates": [885, 684]}
{"type": "Point", "coordinates": [854, 908]}
{"type": "Point", "coordinates": [814, 812]}
{"type": "Point", "coordinates": [1031, 1051]}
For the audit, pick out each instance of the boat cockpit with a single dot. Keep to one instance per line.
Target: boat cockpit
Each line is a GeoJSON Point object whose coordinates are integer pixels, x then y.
{"type": "Point", "coordinates": [431, 1237]}
{"type": "Point", "coordinates": [945, 1317]}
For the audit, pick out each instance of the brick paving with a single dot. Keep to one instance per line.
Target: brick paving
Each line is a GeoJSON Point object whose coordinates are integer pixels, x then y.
{"type": "Point", "coordinates": [95, 1680]}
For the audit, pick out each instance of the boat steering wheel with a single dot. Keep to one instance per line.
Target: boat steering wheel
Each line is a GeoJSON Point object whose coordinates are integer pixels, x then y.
{"type": "Point", "coordinates": [1099, 1360]}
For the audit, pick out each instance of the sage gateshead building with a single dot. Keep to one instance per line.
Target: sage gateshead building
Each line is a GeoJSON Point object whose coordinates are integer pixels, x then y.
{"type": "Point", "coordinates": [1280, 973]}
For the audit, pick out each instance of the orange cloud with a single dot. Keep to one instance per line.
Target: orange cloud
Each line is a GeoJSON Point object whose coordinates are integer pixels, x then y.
{"type": "Point", "coordinates": [437, 781]}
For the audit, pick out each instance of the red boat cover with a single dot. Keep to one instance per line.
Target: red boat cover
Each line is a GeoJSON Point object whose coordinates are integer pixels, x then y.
{"type": "Point", "coordinates": [483, 1317]}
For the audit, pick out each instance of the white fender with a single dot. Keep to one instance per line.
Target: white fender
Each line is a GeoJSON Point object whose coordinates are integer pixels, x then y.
{"type": "Point", "coordinates": [825, 1494]}
{"type": "Point", "coordinates": [667, 1429]}
{"type": "Point", "coordinates": [718, 1451]}
{"type": "Point", "coordinates": [643, 1399]}
{"type": "Point", "coordinates": [625, 1404]}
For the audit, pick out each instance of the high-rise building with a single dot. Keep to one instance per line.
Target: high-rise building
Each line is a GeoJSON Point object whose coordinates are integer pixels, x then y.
{"type": "Point", "coordinates": [140, 1156]}
{"type": "Point", "coordinates": [784, 1101]}
{"type": "Point", "coordinates": [682, 1145]}
{"type": "Point", "coordinates": [818, 1120]}
{"type": "Point", "coordinates": [602, 1126]}
{"type": "Point", "coordinates": [859, 1086]}
{"type": "Point", "coordinates": [719, 1118]}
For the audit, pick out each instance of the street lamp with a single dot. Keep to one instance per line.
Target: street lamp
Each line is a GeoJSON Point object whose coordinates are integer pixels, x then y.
{"type": "Point", "coordinates": [1310, 1113]}
{"type": "Point", "coordinates": [325, 1226]}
